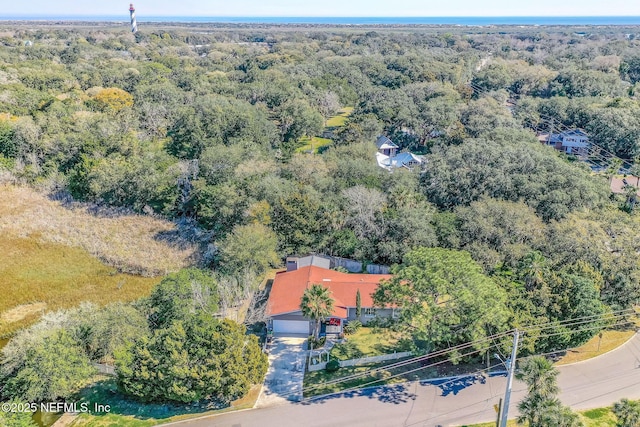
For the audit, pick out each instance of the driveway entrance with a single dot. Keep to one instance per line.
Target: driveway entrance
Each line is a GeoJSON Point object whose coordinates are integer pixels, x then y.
{"type": "Point", "coordinates": [283, 382]}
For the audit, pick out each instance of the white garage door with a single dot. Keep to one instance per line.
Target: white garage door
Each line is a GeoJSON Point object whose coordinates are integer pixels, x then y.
{"type": "Point", "coordinates": [291, 327]}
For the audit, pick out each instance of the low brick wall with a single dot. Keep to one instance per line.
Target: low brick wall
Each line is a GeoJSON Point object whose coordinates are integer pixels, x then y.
{"type": "Point", "coordinates": [317, 367]}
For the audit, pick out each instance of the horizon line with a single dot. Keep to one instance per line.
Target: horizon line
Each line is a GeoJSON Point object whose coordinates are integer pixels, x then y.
{"type": "Point", "coordinates": [324, 16]}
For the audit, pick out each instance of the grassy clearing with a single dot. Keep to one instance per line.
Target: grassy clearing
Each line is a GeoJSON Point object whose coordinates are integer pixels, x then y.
{"type": "Point", "coordinates": [312, 144]}
{"type": "Point", "coordinates": [340, 119]}
{"type": "Point", "coordinates": [35, 276]}
{"type": "Point", "coordinates": [128, 413]}
{"type": "Point", "coordinates": [601, 417]}
{"type": "Point", "coordinates": [596, 347]}
{"type": "Point", "coordinates": [315, 144]}
{"type": "Point", "coordinates": [23, 311]}
{"type": "Point", "coordinates": [366, 342]}
{"type": "Point", "coordinates": [132, 243]}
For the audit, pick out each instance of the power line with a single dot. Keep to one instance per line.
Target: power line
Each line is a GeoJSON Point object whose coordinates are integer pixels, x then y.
{"type": "Point", "coordinates": [571, 332]}
{"type": "Point", "coordinates": [492, 396]}
{"type": "Point", "coordinates": [595, 317]}
{"type": "Point", "coordinates": [529, 329]}
{"type": "Point", "coordinates": [396, 375]}
{"type": "Point", "coordinates": [580, 320]}
{"type": "Point", "coordinates": [416, 359]}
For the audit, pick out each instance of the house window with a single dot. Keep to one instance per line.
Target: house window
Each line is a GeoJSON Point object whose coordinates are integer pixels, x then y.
{"type": "Point", "coordinates": [369, 311]}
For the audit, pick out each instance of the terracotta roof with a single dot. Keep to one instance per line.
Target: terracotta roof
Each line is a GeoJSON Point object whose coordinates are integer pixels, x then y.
{"type": "Point", "coordinates": [620, 185]}
{"type": "Point", "coordinates": [288, 287]}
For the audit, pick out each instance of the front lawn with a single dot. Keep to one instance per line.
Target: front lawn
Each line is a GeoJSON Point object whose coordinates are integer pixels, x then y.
{"type": "Point", "coordinates": [368, 342]}
{"type": "Point", "coordinates": [365, 342]}
{"type": "Point", "coordinates": [315, 383]}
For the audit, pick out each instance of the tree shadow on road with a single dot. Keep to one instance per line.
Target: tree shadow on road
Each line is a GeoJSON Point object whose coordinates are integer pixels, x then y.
{"type": "Point", "coordinates": [395, 394]}
{"type": "Point", "coordinates": [455, 385]}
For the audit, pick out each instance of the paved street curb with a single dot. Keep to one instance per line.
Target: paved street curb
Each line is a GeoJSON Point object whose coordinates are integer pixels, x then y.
{"type": "Point", "coordinates": [203, 417]}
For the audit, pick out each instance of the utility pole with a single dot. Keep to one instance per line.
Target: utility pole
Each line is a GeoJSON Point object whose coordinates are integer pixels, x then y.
{"type": "Point", "coordinates": [511, 366]}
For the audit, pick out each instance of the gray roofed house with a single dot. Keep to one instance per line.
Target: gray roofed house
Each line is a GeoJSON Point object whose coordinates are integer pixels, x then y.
{"type": "Point", "coordinates": [386, 146]}
{"type": "Point", "coordinates": [574, 141]}
{"type": "Point", "coordinates": [388, 157]}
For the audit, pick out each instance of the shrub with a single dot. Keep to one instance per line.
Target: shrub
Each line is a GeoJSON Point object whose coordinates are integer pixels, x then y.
{"type": "Point", "coordinates": [167, 367]}
{"type": "Point", "coordinates": [316, 343]}
{"type": "Point", "coordinates": [352, 327]}
{"type": "Point", "coordinates": [332, 365]}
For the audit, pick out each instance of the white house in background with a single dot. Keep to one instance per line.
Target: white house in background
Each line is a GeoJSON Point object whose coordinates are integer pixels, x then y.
{"type": "Point", "coordinates": [389, 159]}
{"type": "Point", "coordinates": [386, 146]}
{"type": "Point", "coordinates": [574, 141]}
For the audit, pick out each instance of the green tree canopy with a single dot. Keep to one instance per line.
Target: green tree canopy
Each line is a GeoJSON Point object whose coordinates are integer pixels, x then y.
{"type": "Point", "coordinates": [191, 360]}
{"type": "Point", "coordinates": [179, 295]}
{"type": "Point", "coordinates": [102, 331]}
{"type": "Point", "coordinates": [16, 419]}
{"type": "Point", "coordinates": [509, 166]}
{"type": "Point", "coordinates": [54, 367]}
{"type": "Point", "coordinates": [251, 246]}
{"type": "Point", "coordinates": [444, 298]}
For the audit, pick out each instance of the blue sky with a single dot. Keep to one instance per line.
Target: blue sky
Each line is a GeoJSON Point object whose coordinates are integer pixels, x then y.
{"type": "Point", "coordinates": [325, 7]}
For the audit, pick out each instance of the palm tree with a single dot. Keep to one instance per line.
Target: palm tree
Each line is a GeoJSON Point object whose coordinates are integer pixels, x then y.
{"type": "Point", "coordinates": [540, 376]}
{"type": "Point", "coordinates": [628, 413]}
{"type": "Point", "coordinates": [533, 269]}
{"type": "Point", "coordinates": [316, 304]}
{"type": "Point", "coordinates": [541, 407]}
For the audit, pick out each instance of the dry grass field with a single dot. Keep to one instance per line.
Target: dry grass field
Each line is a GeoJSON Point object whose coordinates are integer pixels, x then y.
{"type": "Point", "coordinates": [131, 243]}
{"type": "Point", "coordinates": [54, 256]}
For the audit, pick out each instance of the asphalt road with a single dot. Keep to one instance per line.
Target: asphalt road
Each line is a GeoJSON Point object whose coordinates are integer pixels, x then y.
{"type": "Point", "coordinates": [590, 384]}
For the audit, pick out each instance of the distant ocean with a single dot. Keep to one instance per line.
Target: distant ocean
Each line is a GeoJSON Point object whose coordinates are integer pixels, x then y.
{"type": "Point", "coordinates": [454, 20]}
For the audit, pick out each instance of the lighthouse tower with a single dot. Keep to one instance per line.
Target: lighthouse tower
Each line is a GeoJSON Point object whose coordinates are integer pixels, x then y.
{"type": "Point", "coordinates": [134, 24]}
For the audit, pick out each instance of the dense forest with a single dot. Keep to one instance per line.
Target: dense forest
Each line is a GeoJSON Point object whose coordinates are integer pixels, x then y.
{"type": "Point", "coordinates": [208, 127]}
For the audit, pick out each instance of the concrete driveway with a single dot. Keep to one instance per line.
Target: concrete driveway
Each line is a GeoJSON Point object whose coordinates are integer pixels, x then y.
{"type": "Point", "coordinates": [283, 382]}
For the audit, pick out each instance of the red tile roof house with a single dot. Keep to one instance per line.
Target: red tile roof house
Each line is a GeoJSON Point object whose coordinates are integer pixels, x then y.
{"type": "Point", "coordinates": [283, 307]}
